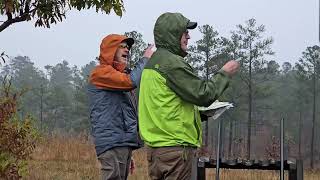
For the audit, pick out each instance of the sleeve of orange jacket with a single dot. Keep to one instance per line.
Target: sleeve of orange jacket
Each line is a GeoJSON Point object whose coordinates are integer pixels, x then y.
{"type": "Point", "coordinates": [106, 77]}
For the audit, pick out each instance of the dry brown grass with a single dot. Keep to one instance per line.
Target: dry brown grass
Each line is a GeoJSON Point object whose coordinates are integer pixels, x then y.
{"type": "Point", "coordinates": [73, 158]}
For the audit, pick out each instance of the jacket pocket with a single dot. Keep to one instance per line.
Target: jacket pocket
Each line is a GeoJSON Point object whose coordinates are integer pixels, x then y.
{"type": "Point", "coordinates": [129, 116]}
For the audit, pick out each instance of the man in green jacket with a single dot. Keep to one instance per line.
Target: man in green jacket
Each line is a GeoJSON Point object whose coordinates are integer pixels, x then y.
{"type": "Point", "coordinates": [169, 120]}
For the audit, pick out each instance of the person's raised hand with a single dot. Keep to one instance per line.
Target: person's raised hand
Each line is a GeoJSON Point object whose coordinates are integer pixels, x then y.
{"type": "Point", "coordinates": [231, 67]}
{"type": "Point", "coordinates": [148, 52]}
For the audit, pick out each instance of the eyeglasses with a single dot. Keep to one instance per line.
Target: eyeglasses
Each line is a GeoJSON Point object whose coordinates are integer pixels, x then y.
{"type": "Point", "coordinates": [124, 46]}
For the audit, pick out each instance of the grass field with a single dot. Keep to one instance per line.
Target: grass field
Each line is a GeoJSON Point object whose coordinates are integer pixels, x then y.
{"type": "Point", "coordinates": [73, 158]}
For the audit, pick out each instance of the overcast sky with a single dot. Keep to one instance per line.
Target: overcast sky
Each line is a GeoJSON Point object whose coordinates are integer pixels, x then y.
{"type": "Point", "coordinates": [292, 23]}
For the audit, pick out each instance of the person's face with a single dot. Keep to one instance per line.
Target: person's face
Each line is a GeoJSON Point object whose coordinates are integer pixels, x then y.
{"type": "Point", "coordinates": [184, 40]}
{"type": "Point", "coordinates": [122, 53]}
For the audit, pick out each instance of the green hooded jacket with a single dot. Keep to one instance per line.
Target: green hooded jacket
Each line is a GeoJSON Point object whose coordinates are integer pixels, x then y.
{"type": "Point", "coordinates": [170, 91]}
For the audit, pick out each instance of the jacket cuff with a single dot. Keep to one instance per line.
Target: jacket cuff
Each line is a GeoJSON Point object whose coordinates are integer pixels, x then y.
{"type": "Point", "coordinates": [144, 59]}
{"type": "Point", "coordinates": [221, 71]}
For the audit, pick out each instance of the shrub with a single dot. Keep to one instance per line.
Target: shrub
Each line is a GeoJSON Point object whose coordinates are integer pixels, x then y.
{"type": "Point", "coordinates": [17, 135]}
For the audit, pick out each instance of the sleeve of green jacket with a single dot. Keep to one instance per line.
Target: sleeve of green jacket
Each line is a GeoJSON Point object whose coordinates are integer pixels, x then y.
{"type": "Point", "coordinates": [193, 89]}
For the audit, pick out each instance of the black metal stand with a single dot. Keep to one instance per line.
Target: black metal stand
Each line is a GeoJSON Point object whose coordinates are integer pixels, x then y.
{"type": "Point", "coordinates": [295, 169]}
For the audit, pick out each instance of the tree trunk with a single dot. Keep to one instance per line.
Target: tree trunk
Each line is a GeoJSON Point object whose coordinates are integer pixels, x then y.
{"type": "Point", "coordinates": [230, 138]}
{"type": "Point", "coordinates": [41, 108]}
{"type": "Point", "coordinates": [313, 118]}
{"type": "Point", "coordinates": [206, 123]}
{"type": "Point", "coordinates": [249, 110]}
{"type": "Point", "coordinates": [222, 140]}
{"type": "Point", "coordinates": [300, 132]}
{"type": "Point", "coordinates": [206, 134]}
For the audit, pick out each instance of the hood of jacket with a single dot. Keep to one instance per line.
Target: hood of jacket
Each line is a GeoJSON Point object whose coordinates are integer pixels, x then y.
{"type": "Point", "coordinates": [109, 74]}
{"type": "Point", "coordinates": [168, 31]}
{"type": "Point", "coordinates": [108, 48]}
